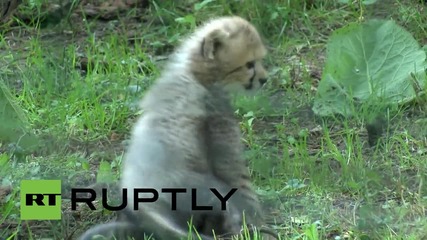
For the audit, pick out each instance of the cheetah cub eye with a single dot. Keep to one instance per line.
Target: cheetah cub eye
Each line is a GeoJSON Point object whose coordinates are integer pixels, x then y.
{"type": "Point", "coordinates": [250, 64]}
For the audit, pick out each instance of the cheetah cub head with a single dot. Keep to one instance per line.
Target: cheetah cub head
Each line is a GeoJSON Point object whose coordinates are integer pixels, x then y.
{"type": "Point", "coordinates": [228, 51]}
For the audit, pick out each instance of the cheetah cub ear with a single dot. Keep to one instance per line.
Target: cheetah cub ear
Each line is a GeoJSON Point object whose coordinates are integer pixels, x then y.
{"type": "Point", "coordinates": [212, 42]}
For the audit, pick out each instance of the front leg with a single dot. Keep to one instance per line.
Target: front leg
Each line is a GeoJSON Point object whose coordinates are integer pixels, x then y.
{"type": "Point", "coordinates": [113, 231]}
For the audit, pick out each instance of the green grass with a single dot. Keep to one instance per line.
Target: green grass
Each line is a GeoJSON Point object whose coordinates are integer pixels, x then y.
{"type": "Point", "coordinates": [78, 87]}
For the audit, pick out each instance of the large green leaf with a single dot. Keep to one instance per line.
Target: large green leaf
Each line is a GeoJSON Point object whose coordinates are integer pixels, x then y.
{"type": "Point", "coordinates": [372, 60]}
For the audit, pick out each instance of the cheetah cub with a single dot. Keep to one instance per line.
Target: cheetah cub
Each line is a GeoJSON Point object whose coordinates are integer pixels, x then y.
{"type": "Point", "coordinates": [188, 138]}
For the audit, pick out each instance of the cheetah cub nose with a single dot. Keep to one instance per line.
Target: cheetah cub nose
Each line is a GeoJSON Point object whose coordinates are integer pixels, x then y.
{"type": "Point", "coordinates": [262, 81]}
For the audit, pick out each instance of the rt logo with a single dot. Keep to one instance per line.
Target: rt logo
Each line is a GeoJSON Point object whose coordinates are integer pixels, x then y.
{"type": "Point", "coordinates": [41, 200]}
